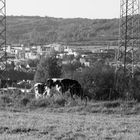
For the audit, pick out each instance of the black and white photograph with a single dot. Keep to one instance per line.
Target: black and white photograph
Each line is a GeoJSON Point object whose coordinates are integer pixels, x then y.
{"type": "Point", "coordinates": [69, 69]}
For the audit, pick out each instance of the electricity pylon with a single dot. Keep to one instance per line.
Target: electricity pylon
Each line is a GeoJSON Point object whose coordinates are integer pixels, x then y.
{"type": "Point", "coordinates": [129, 34]}
{"type": "Point", "coordinates": [129, 39]}
{"type": "Point", "coordinates": [3, 54]}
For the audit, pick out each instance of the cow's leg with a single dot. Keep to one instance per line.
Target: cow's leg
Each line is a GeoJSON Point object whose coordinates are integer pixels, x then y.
{"type": "Point", "coordinates": [47, 92]}
{"type": "Point", "coordinates": [83, 96]}
{"type": "Point", "coordinates": [37, 96]}
{"type": "Point", "coordinates": [59, 90]}
{"type": "Point", "coordinates": [72, 91]}
{"type": "Point", "coordinates": [36, 92]}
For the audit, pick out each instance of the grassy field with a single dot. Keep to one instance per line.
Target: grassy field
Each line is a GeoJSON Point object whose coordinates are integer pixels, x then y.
{"type": "Point", "coordinates": [22, 117]}
{"type": "Point", "coordinates": [97, 121]}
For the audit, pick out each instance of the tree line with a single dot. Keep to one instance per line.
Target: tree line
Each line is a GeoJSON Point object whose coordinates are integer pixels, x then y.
{"type": "Point", "coordinates": [42, 30]}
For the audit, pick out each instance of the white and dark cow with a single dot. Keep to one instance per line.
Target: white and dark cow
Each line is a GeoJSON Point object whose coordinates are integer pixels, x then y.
{"type": "Point", "coordinates": [65, 85]}
{"type": "Point", "coordinates": [62, 86]}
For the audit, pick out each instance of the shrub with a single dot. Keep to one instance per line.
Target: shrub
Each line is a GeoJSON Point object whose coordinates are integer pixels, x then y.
{"type": "Point", "coordinates": [5, 99]}
{"type": "Point", "coordinates": [24, 101]}
{"type": "Point", "coordinates": [136, 86]}
{"type": "Point", "coordinates": [98, 82]}
{"type": "Point", "coordinates": [39, 103]}
{"type": "Point", "coordinates": [128, 86]}
{"type": "Point", "coordinates": [60, 102]}
{"type": "Point", "coordinates": [15, 99]}
{"type": "Point", "coordinates": [48, 67]}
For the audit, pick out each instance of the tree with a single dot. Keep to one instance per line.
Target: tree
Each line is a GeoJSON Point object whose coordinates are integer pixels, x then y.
{"type": "Point", "coordinates": [33, 63]}
{"type": "Point", "coordinates": [70, 68]}
{"type": "Point", "coordinates": [98, 81]}
{"type": "Point", "coordinates": [48, 67]}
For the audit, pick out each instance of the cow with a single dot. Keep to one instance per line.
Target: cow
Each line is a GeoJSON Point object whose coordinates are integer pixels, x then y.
{"type": "Point", "coordinates": [63, 86]}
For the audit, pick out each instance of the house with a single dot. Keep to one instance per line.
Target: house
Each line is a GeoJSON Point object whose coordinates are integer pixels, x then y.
{"type": "Point", "coordinates": [84, 62]}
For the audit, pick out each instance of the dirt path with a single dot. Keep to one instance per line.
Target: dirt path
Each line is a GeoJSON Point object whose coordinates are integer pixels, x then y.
{"type": "Point", "coordinates": [44, 125]}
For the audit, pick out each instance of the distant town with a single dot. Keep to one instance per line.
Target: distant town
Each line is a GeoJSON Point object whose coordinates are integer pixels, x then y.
{"type": "Point", "coordinates": [19, 53]}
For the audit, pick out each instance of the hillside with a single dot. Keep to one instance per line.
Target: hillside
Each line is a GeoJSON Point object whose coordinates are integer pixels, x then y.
{"type": "Point", "coordinates": [40, 30]}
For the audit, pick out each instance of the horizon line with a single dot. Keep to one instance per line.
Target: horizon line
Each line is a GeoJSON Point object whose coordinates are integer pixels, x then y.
{"type": "Point", "coordinates": [60, 17]}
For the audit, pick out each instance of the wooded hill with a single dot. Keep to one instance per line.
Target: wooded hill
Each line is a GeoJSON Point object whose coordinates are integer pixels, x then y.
{"type": "Point", "coordinates": [41, 30]}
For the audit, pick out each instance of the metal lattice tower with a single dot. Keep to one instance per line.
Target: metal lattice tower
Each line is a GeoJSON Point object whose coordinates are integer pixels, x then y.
{"type": "Point", "coordinates": [3, 54]}
{"type": "Point", "coordinates": [129, 40]}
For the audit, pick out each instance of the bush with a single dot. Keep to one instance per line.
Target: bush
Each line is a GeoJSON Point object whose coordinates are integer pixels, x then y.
{"type": "Point", "coordinates": [5, 99]}
{"type": "Point", "coordinates": [136, 86]}
{"type": "Point", "coordinates": [128, 86]}
{"type": "Point", "coordinates": [15, 99]}
{"type": "Point", "coordinates": [48, 67]}
{"type": "Point", "coordinates": [98, 82]}
{"type": "Point", "coordinates": [24, 101]}
{"type": "Point", "coordinates": [39, 103]}
{"type": "Point", "coordinates": [17, 75]}
{"type": "Point", "coordinates": [60, 102]}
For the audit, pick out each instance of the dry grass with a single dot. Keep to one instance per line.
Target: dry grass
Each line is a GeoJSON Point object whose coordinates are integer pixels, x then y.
{"type": "Point", "coordinates": [23, 117]}
{"type": "Point", "coordinates": [42, 124]}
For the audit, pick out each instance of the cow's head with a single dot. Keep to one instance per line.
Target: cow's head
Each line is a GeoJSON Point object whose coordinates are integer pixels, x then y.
{"type": "Point", "coordinates": [39, 89]}
{"type": "Point", "coordinates": [54, 83]}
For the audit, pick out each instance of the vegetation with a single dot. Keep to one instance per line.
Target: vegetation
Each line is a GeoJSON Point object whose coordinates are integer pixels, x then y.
{"type": "Point", "coordinates": [108, 120]}
{"type": "Point", "coordinates": [18, 101]}
{"type": "Point", "coordinates": [41, 30]}
{"type": "Point", "coordinates": [98, 82]}
{"type": "Point", "coordinates": [17, 75]}
{"type": "Point", "coordinates": [33, 63]}
{"type": "Point", "coordinates": [48, 67]}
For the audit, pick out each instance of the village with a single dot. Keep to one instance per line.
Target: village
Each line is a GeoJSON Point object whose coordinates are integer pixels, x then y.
{"type": "Point", "coordinates": [19, 54]}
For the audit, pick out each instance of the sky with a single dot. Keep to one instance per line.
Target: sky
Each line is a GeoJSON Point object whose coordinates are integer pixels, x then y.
{"type": "Point", "coordinates": [92, 9]}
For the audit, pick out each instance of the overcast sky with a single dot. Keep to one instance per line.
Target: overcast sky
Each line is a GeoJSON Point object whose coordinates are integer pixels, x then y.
{"type": "Point", "coordinates": [65, 8]}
